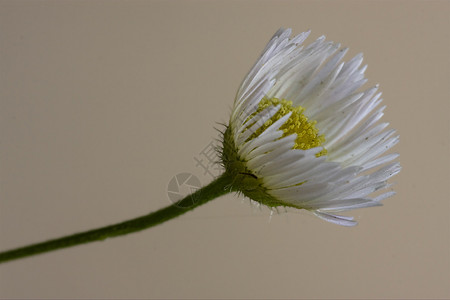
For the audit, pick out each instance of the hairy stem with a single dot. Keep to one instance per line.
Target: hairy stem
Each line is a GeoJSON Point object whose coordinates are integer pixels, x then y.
{"type": "Point", "coordinates": [217, 188]}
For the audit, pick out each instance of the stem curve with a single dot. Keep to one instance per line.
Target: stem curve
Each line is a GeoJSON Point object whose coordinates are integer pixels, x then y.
{"type": "Point", "coordinates": [217, 188]}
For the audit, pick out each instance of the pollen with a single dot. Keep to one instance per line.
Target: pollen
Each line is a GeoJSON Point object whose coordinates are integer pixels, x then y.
{"type": "Point", "coordinates": [307, 134]}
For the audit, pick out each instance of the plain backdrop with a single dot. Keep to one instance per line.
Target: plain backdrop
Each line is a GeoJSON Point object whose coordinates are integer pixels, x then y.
{"type": "Point", "coordinates": [103, 103]}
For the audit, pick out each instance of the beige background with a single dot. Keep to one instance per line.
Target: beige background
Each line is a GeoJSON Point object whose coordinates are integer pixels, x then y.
{"type": "Point", "coordinates": [102, 103]}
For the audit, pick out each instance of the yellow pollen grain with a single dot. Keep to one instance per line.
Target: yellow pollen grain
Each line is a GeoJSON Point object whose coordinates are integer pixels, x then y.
{"type": "Point", "coordinates": [307, 134]}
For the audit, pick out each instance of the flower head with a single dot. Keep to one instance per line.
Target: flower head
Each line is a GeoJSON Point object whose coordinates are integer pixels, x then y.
{"type": "Point", "coordinates": [302, 135]}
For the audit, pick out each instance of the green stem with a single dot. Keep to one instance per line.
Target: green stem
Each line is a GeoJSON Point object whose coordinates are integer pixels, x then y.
{"type": "Point", "coordinates": [217, 188]}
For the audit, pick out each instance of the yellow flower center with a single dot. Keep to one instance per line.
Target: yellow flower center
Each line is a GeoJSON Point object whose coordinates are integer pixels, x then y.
{"type": "Point", "coordinates": [307, 134]}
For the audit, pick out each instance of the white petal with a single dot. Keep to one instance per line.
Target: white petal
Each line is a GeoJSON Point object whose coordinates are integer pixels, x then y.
{"type": "Point", "coordinates": [287, 160]}
{"type": "Point", "coordinates": [285, 142]}
{"type": "Point", "coordinates": [379, 161]}
{"type": "Point", "coordinates": [384, 196]}
{"type": "Point", "coordinates": [339, 220]}
{"type": "Point", "coordinates": [259, 119]}
{"type": "Point", "coordinates": [303, 193]}
{"type": "Point", "coordinates": [342, 204]}
{"type": "Point", "coordinates": [258, 142]}
{"type": "Point", "coordinates": [294, 171]}
{"type": "Point", "coordinates": [244, 108]}
{"type": "Point", "coordinates": [282, 145]}
{"type": "Point", "coordinates": [270, 134]}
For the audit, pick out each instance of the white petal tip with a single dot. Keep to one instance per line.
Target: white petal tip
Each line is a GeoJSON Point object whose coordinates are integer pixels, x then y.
{"type": "Point", "coordinates": [336, 219]}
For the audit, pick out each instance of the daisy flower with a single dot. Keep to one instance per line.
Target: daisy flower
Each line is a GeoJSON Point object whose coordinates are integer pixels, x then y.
{"type": "Point", "coordinates": [302, 134]}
